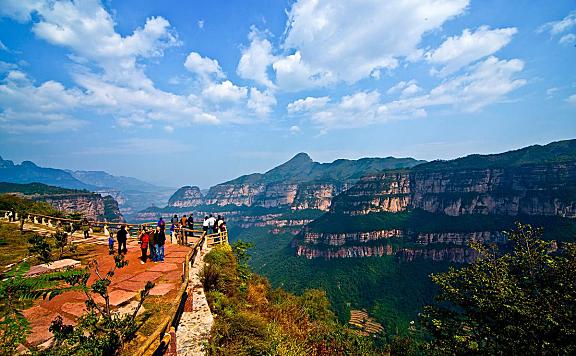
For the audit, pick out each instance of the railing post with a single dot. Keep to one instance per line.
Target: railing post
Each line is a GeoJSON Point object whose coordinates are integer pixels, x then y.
{"type": "Point", "coordinates": [35, 220]}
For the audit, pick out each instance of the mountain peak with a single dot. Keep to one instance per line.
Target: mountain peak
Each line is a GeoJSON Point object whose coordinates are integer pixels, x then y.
{"type": "Point", "coordinates": [301, 157]}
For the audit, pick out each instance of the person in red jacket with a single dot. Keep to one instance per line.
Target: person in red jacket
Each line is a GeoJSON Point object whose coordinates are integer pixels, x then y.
{"type": "Point", "coordinates": [144, 238]}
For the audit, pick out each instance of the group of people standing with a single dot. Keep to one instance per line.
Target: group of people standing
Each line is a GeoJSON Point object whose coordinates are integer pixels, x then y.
{"type": "Point", "coordinates": [152, 240]}
{"type": "Point", "coordinates": [213, 225]}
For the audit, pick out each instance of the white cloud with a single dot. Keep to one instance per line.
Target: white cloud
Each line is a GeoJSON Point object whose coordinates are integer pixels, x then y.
{"type": "Point", "coordinates": [405, 89]}
{"type": "Point", "coordinates": [200, 24]}
{"type": "Point", "coordinates": [558, 27]}
{"type": "Point", "coordinates": [459, 51]}
{"type": "Point", "coordinates": [256, 59]}
{"type": "Point", "coordinates": [307, 104]}
{"type": "Point", "coordinates": [110, 75]}
{"type": "Point", "coordinates": [294, 129]}
{"type": "Point", "coordinates": [329, 44]}
{"type": "Point", "coordinates": [225, 92]}
{"type": "Point", "coordinates": [26, 107]}
{"type": "Point", "coordinates": [203, 66]}
{"type": "Point", "coordinates": [567, 39]}
{"type": "Point", "coordinates": [262, 103]}
{"type": "Point", "coordinates": [292, 74]}
{"type": "Point", "coordinates": [571, 99]}
{"type": "Point", "coordinates": [20, 10]}
{"type": "Point", "coordinates": [486, 83]}
{"type": "Point", "coordinates": [361, 101]}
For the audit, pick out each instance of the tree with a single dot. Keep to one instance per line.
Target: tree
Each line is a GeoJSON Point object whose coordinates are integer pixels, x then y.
{"type": "Point", "coordinates": [40, 248]}
{"type": "Point", "coordinates": [521, 302]}
{"type": "Point", "coordinates": [16, 293]}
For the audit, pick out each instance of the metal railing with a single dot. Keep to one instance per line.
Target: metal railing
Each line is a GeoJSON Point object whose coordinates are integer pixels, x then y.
{"type": "Point", "coordinates": [214, 238]}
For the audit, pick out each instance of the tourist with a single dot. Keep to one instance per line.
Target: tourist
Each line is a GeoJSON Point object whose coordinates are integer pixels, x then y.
{"type": "Point", "coordinates": [161, 224]}
{"type": "Point", "coordinates": [190, 223]}
{"type": "Point", "coordinates": [205, 225]}
{"type": "Point", "coordinates": [184, 233]}
{"type": "Point", "coordinates": [174, 220]}
{"type": "Point", "coordinates": [219, 222]}
{"type": "Point", "coordinates": [160, 239]}
{"type": "Point", "coordinates": [172, 232]}
{"type": "Point", "coordinates": [143, 239]}
{"type": "Point", "coordinates": [152, 243]}
{"type": "Point", "coordinates": [211, 224]}
{"type": "Point", "coordinates": [110, 244]}
{"type": "Point", "coordinates": [86, 228]}
{"type": "Point", "coordinates": [122, 236]}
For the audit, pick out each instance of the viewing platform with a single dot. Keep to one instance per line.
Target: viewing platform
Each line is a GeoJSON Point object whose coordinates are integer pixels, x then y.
{"type": "Point", "coordinates": [175, 306]}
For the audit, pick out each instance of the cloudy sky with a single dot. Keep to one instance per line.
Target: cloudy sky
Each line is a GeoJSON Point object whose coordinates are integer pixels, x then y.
{"type": "Point", "coordinates": [198, 92]}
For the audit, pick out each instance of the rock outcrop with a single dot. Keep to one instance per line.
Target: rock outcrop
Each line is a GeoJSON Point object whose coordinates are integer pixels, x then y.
{"type": "Point", "coordinates": [186, 197]}
{"type": "Point", "coordinates": [534, 189]}
{"type": "Point", "coordinates": [91, 205]}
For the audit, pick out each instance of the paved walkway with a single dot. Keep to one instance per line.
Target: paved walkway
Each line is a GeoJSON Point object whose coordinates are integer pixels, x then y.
{"type": "Point", "coordinates": [124, 290]}
{"type": "Point", "coordinates": [196, 322]}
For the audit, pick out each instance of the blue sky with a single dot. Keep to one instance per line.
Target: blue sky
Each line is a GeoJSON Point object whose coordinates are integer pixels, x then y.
{"type": "Point", "coordinates": [198, 92]}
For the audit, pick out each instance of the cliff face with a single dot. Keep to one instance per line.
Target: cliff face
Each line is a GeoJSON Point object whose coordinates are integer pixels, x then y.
{"type": "Point", "coordinates": [291, 195]}
{"type": "Point", "coordinates": [186, 197]}
{"type": "Point", "coordinates": [545, 190]}
{"type": "Point", "coordinates": [448, 246]}
{"type": "Point", "coordinates": [91, 205]}
{"type": "Point", "coordinates": [297, 184]}
{"type": "Point", "coordinates": [438, 208]}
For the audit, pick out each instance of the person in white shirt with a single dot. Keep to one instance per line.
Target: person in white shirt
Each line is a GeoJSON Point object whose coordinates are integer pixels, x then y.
{"type": "Point", "coordinates": [205, 225]}
{"type": "Point", "coordinates": [211, 223]}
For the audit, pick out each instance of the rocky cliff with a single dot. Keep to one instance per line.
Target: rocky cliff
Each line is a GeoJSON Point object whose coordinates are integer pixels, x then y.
{"type": "Point", "coordinates": [444, 205]}
{"type": "Point", "coordinates": [186, 197]}
{"type": "Point", "coordinates": [298, 184]}
{"type": "Point", "coordinates": [535, 189]}
{"type": "Point", "coordinates": [91, 205]}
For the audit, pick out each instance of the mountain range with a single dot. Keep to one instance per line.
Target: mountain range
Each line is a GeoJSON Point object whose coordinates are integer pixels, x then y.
{"type": "Point", "coordinates": [132, 194]}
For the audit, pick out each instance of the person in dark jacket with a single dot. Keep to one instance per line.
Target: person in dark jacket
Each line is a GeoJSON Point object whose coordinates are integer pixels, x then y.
{"type": "Point", "coordinates": [159, 240]}
{"type": "Point", "coordinates": [190, 223]}
{"type": "Point", "coordinates": [152, 243]}
{"type": "Point", "coordinates": [162, 224]}
{"type": "Point", "coordinates": [86, 228]}
{"type": "Point", "coordinates": [121, 237]}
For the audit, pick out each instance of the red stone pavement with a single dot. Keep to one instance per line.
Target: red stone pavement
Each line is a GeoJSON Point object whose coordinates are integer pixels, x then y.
{"type": "Point", "coordinates": [126, 285]}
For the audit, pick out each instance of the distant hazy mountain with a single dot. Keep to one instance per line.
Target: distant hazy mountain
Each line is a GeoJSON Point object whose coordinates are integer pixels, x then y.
{"type": "Point", "coordinates": [132, 194]}
{"type": "Point", "coordinates": [105, 180]}
{"type": "Point", "coordinates": [28, 172]}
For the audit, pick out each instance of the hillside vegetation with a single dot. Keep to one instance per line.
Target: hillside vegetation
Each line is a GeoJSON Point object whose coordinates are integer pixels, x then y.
{"type": "Point", "coordinates": [555, 152]}
{"type": "Point", "coordinates": [252, 318]}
